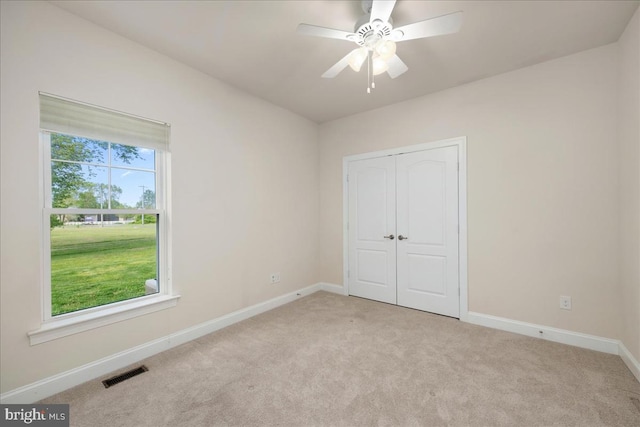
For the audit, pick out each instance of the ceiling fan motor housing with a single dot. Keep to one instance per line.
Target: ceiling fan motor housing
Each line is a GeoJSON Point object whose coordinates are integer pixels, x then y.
{"type": "Point", "coordinates": [367, 34]}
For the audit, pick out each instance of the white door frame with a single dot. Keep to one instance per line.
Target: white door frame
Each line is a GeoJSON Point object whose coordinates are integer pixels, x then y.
{"type": "Point", "coordinates": [461, 143]}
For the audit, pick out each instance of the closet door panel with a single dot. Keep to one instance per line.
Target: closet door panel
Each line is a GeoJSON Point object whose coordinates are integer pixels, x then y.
{"type": "Point", "coordinates": [372, 216]}
{"type": "Point", "coordinates": [427, 227]}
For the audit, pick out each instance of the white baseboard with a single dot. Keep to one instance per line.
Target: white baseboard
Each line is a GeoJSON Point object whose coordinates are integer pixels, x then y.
{"type": "Point", "coordinates": [631, 362]}
{"type": "Point", "coordinates": [49, 386]}
{"type": "Point", "coordinates": [563, 336]}
{"type": "Point", "coordinates": [55, 384]}
{"type": "Point", "coordinates": [34, 392]}
{"type": "Point", "coordinates": [330, 287]}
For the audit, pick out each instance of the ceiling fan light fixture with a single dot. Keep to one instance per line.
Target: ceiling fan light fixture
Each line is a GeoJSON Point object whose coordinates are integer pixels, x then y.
{"type": "Point", "coordinates": [379, 65]}
{"type": "Point", "coordinates": [386, 49]}
{"type": "Point", "coordinates": [357, 58]}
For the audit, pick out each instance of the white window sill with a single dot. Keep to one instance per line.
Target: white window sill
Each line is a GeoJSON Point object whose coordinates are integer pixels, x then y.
{"type": "Point", "coordinates": [73, 324]}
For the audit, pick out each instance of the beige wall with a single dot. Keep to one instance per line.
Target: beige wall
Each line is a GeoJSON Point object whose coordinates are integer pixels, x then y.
{"type": "Point", "coordinates": [245, 184]}
{"type": "Point", "coordinates": [542, 186]}
{"type": "Point", "coordinates": [629, 137]}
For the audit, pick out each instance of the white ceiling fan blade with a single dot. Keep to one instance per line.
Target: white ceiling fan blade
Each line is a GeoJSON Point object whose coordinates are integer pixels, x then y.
{"type": "Point", "coordinates": [445, 24]}
{"type": "Point", "coordinates": [337, 67]}
{"type": "Point", "coordinates": [381, 9]}
{"type": "Point", "coordinates": [330, 33]}
{"type": "Point", "coordinates": [396, 67]}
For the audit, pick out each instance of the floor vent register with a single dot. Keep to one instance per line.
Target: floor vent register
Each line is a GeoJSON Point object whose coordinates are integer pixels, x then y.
{"type": "Point", "coordinates": [124, 376]}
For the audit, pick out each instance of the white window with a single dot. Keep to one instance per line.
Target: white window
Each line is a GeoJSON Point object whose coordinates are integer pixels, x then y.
{"type": "Point", "coordinates": [105, 228]}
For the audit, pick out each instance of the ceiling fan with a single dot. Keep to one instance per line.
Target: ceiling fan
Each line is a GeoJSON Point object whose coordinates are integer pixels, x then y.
{"type": "Point", "coordinates": [376, 38]}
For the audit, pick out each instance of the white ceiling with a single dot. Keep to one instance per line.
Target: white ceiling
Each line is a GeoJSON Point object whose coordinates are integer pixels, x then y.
{"type": "Point", "coordinates": [253, 45]}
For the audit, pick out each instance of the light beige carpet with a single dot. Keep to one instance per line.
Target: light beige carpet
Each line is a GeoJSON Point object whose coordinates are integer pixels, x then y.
{"type": "Point", "coordinates": [333, 360]}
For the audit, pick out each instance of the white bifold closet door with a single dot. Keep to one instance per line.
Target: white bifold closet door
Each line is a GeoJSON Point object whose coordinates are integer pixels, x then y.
{"type": "Point", "coordinates": [403, 230]}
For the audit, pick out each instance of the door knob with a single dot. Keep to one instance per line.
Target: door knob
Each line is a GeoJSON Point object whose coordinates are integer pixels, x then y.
{"type": "Point", "coordinates": [390, 236]}
{"type": "Point", "coordinates": [401, 237]}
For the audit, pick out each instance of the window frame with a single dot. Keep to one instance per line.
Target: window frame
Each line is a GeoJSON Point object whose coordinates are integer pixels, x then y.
{"type": "Point", "coordinates": [53, 327]}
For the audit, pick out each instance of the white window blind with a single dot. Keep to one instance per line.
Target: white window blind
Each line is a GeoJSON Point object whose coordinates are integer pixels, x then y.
{"type": "Point", "coordinates": [69, 117]}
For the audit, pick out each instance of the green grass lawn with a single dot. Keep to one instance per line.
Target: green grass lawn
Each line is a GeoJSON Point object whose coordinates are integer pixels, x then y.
{"type": "Point", "coordinates": [93, 265]}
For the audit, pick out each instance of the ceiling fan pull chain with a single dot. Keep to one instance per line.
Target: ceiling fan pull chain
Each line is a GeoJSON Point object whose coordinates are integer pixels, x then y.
{"type": "Point", "coordinates": [369, 75]}
{"type": "Point", "coordinates": [373, 76]}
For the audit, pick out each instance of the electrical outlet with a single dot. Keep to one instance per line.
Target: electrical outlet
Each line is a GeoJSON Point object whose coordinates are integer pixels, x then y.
{"type": "Point", "coordinates": [565, 303]}
{"type": "Point", "coordinates": [275, 277]}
